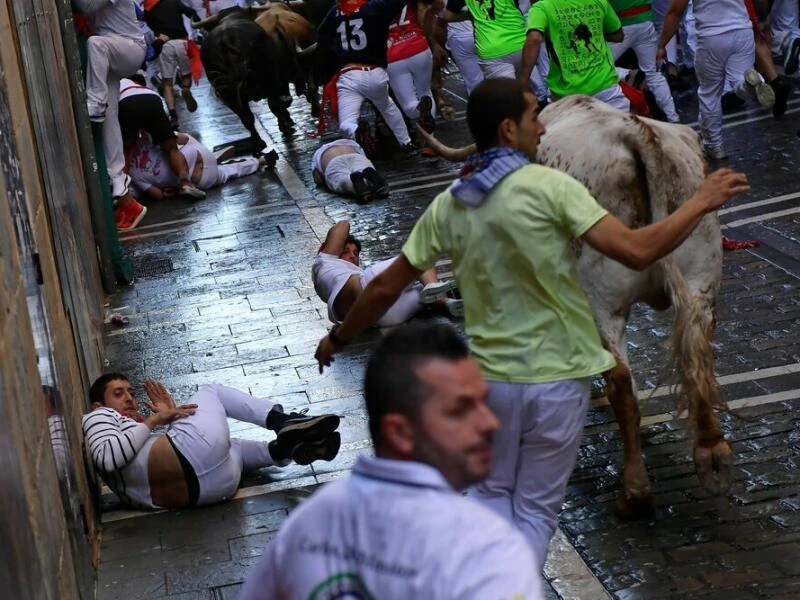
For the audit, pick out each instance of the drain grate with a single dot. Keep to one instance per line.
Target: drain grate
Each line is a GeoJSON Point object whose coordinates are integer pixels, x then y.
{"type": "Point", "coordinates": [151, 265]}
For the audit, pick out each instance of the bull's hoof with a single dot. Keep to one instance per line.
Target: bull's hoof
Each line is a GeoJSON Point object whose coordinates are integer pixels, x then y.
{"type": "Point", "coordinates": [257, 145]}
{"type": "Point", "coordinates": [315, 110]}
{"type": "Point", "coordinates": [713, 462]}
{"type": "Point", "coordinates": [635, 505]}
{"type": "Point", "coordinates": [286, 125]}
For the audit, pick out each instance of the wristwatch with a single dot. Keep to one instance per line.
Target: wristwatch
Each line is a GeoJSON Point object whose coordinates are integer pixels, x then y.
{"type": "Point", "coordinates": [335, 338]}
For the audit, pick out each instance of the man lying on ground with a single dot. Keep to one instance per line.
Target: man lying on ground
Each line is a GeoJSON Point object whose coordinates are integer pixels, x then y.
{"type": "Point", "coordinates": [345, 169]}
{"type": "Point", "coordinates": [397, 527]}
{"type": "Point", "coordinates": [339, 279]}
{"type": "Point", "coordinates": [195, 461]}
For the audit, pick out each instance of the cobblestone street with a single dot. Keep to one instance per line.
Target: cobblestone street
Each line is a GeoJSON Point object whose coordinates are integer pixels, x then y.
{"type": "Point", "coordinates": [224, 294]}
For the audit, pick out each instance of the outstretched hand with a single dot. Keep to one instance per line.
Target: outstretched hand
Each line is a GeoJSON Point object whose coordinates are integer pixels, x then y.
{"type": "Point", "coordinates": [722, 185]}
{"type": "Point", "coordinates": [159, 398]}
{"type": "Point", "coordinates": [325, 351]}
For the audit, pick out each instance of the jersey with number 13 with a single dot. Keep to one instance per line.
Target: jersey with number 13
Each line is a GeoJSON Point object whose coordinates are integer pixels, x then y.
{"type": "Point", "coordinates": [360, 36]}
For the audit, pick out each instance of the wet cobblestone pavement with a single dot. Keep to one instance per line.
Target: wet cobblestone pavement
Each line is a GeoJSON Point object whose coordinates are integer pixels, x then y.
{"type": "Point", "coordinates": [237, 306]}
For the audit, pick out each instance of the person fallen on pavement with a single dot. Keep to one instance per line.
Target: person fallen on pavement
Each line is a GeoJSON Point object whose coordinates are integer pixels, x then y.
{"type": "Point", "coordinates": [397, 527]}
{"type": "Point", "coordinates": [339, 279]}
{"type": "Point", "coordinates": [343, 167]}
{"type": "Point", "coordinates": [151, 172]}
{"type": "Point", "coordinates": [194, 461]}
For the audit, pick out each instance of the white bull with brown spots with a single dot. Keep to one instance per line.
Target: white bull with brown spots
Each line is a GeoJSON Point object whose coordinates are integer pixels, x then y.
{"type": "Point", "coordinates": [641, 170]}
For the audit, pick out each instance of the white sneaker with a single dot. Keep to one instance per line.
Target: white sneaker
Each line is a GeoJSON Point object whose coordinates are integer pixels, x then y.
{"type": "Point", "coordinates": [436, 291]}
{"type": "Point", "coordinates": [763, 91]}
{"type": "Point", "coordinates": [717, 153]}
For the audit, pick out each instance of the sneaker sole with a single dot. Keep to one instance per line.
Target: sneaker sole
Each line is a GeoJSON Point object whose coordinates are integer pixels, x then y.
{"type": "Point", "coordinates": [764, 93]}
{"type": "Point", "coordinates": [317, 428]}
{"type": "Point", "coordinates": [429, 295]}
{"type": "Point", "coordinates": [307, 452]}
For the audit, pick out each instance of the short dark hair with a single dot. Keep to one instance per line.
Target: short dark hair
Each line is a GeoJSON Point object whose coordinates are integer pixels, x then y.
{"type": "Point", "coordinates": [351, 240]}
{"type": "Point", "coordinates": [490, 103]}
{"type": "Point", "coordinates": [98, 390]}
{"type": "Point", "coordinates": [391, 384]}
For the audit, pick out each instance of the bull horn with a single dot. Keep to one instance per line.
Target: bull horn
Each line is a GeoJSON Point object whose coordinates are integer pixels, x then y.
{"type": "Point", "coordinates": [446, 152]}
{"type": "Point", "coordinates": [307, 50]}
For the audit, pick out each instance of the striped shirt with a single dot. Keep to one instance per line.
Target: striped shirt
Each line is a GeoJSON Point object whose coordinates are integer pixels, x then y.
{"type": "Point", "coordinates": [119, 449]}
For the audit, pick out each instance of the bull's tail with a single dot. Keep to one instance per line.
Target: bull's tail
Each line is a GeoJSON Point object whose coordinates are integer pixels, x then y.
{"type": "Point", "coordinates": [691, 353]}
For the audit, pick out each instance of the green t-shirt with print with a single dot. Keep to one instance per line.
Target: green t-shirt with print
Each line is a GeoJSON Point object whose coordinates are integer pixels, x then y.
{"type": "Point", "coordinates": [580, 59]}
{"type": "Point", "coordinates": [525, 313]}
{"type": "Point", "coordinates": [499, 26]}
{"type": "Point", "coordinates": [631, 12]}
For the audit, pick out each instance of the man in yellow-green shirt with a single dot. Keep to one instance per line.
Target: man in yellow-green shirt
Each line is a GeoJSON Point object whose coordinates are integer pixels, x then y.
{"type": "Point", "coordinates": [508, 226]}
{"type": "Point", "coordinates": [580, 59]}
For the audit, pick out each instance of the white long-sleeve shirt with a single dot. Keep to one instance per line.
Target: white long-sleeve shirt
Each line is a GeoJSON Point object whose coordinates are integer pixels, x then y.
{"type": "Point", "coordinates": [119, 448]}
{"type": "Point", "coordinates": [395, 530]}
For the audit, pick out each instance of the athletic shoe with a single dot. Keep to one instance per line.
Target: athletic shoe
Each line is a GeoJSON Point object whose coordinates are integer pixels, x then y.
{"type": "Point", "coordinates": [455, 308]}
{"type": "Point", "coordinates": [191, 103]}
{"type": "Point", "coordinates": [764, 93]}
{"type": "Point", "coordinates": [376, 182]}
{"type": "Point", "coordinates": [299, 428]}
{"type": "Point", "coordinates": [792, 58]}
{"type": "Point", "coordinates": [326, 449]}
{"type": "Point", "coordinates": [121, 187]}
{"type": "Point", "coordinates": [189, 189]}
{"type": "Point", "coordinates": [435, 291]}
{"type": "Point", "coordinates": [410, 150]}
{"type": "Point", "coordinates": [129, 215]}
{"type": "Point", "coordinates": [782, 88]}
{"type": "Point", "coordinates": [717, 153]}
{"type": "Point", "coordinates": [365, 139]}
{"type": "Point", "coordinates": [361, 189]}
{"type": "Point", "coordinates": [425, 109]}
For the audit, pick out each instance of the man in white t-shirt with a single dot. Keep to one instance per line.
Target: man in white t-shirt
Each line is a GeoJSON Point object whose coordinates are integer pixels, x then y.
{"type": "Point", "coordinates": [338, 280]}
{"type": "Point", "coordinates": [397, 528]}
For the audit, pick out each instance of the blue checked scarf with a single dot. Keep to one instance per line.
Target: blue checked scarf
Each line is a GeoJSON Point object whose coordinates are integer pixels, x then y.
{"type": "Point", "coordinates": [483, 171]}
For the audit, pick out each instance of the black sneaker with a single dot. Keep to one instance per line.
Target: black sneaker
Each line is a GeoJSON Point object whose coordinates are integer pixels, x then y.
{"type": "Point", "coordinates": [376, 181]}
{"type": "Point", "coordinates": [782, 88]}
{"type": "Point", "coordinates": [361, 189]}
{"type": "Point", "coordinates": [365, 139]}
{"type": "Point", "coordinates": [191, 103]}
{"type": "Point", "coordinates": [425, 109]}
{"type": "Point", "coordinates": [792, 58]}
{"type": "Point", "coordinates": [299, 428]}
{"type": "Point", "coordinates": [307, 452]}
{"type": "Point", "coordinates": [410, 150]}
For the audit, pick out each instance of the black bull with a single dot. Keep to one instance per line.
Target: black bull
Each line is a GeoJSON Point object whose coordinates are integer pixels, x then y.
{"type": "Point", "coordinates": [245, 64]}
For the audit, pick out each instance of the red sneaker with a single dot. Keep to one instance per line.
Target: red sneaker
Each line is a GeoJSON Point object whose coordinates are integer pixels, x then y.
{"type": "Point", "coordinates": [129, 215]}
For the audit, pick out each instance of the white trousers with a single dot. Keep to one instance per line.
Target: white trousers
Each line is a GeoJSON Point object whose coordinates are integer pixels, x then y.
{"type": "Point", "coordinates": [642, 38]}
{"type": "Point", "coordinates": [353, 87]}
{"type": "Point", "coordinates": [461, 45]}
{"type": "Point", "coordinates": [205, 439]}
{"type": "Point", "coordinates": [533, 454]}
{"type": "Point", "coordinates": [405, 307]}
{"type": "Point", "coordinates": [614, 96]}
{"type": "Point", "coordinates": [109, 59]}
{"type": "Point", "coordinates": [510, 64]}
{"type": "Point", "coordinates": [339, 168]}
{"type": "Point", "coordinates": [410, 79]}
{"type": "Point", "coordinates": [721, 58]}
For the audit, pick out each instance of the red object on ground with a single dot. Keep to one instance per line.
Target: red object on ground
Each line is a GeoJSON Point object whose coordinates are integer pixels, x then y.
{"type": "Point", "coordinates": [728, 244]}
{"type": "Point", "coordinates": [636, 98]}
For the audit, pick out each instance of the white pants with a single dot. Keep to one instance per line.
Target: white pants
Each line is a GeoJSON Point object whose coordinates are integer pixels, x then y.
{"type": "Point", "coordinates": [410, 79]}
{"type": "Point", "coordinates": [614, 96]}
{"type": "Point", "coordinates": [461, 45]}
{"type": "Point", "coordinates": [353, 87]}
{"type": "Point", "coordinates": [109, 59]}
{"type": "Point", "coordinates": [405, 307]}
{"type": "Point", "coordinates": [339, 168]}
{"type": "Point", "coordinates": [642, 38]}
{"type": "Point", "coordinates": [533, 454]}
{"type": "Point", "coordinates": [720, 59]}
{"type": "Point", "coordinates": [510, 64]}
{"type": "Point", "coordinates": [205, 441]}
{"type": "Point", "coordinates": [173, 58]}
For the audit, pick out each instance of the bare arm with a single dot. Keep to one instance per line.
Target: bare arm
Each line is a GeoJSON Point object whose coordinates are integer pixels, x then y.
{"type": "Point", "coordinates": [426, 16]}
{"type": "Point", "coordinates": [372, 303]}
{"type": "Point", "coordinates": [670, 26]}
{"type": "Point", "coordinates": [530, 54]}
{"type": "Point", "coordinates": [336, 238]}
{"type": "Point", "coordinates": [639, 248]}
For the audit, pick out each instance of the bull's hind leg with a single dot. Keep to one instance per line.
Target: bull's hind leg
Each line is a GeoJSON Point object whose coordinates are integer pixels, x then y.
{"type": "Point", "coordinates": [635, 498]}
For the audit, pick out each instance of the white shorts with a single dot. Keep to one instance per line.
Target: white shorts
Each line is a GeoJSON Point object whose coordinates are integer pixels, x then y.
{"type": "Point", "coordinates": [174, 58]}
{"type": "Point", "coordinates": [339, 169]}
